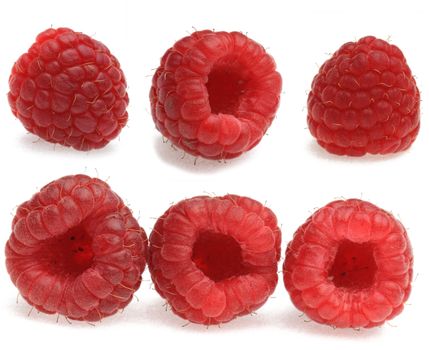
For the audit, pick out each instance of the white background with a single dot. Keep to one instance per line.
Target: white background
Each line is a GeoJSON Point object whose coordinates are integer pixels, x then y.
{"type": "Point", "coordinates": [287, 170]}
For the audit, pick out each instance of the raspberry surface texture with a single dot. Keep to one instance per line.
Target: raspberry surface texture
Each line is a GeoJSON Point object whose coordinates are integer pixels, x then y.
{"type": "Point", "coordinates": [76, 250]}
{"type": "Point", "coordinates": [349, 265]}
{"type": "Point", "coordinates": [364, 100]}
{"type": "Point", "coordinates": [69, 89]}
{"type": "Point", "coordinates": [215, 258]}
{"type": "Point", "coordinates": [215, 94]}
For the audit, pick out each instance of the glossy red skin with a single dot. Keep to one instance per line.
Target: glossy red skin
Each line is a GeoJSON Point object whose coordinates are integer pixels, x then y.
{"type": "Point", "coordinates": [57, 271]}
{"type": "Point", "coordinates": [191, 293]}
{"type": "Point", "coordinates": [311, 254]}
{"type": "Point", "coordinates": [69, 89]}
{"type": "Point", "coordinates": [364, 100]}
{"type": "Point", "coordinates": [180, 96]}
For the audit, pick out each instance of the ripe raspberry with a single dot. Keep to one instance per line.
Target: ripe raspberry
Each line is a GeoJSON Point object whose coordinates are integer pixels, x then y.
{"type": "Point", "coordinates": [215, 94]}
{"type": "Point", "coordinates": [214, 259]}
{"type": "Point", "coordinates": [349, 265]}
{"type": "Point", "coordinates": [364, 100]}
{"type": "Point", "coordinates": [76, 250]}
{"type": "Point", "coordinates": [69, 89]}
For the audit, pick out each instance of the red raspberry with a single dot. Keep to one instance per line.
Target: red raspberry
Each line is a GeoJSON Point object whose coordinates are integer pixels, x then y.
{"type": "Point", "coordinates": [349, 265]}
{"type": "Point", "coordinates": [215, 94]}
{"type": "Point", "coordinates": [69, 89]}
{"type": "Point", "coordinates": [364, 100]}
{"type": "Point", "coordinates": [76, 250]}
{"type": "Point", "coordinates": [214, 259]}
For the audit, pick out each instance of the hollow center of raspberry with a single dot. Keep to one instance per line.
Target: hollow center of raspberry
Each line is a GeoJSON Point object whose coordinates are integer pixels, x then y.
{"type": "Point", "coordinates": [226, 84]}
{"type": "Point", "coordinates": [354, 266]}
{"type": "Point", "coordinates": [218, 256]}
{"type": "Point", "coordinates": [71, 253]}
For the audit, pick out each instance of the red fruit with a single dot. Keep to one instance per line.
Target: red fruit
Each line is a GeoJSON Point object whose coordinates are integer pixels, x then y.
{"type": "Point", "coordinates": [69, 89]}
{"type": "Point", "coordinates": [349, 265]}
{"type": "Point", "coordinates": [364, 100]}
{"type": "Point", "coordinates": [215, 94]}
{"type": "Point", "coordinates": [76, 250]}
{"type": "Point", "coordinates": [214, 259]}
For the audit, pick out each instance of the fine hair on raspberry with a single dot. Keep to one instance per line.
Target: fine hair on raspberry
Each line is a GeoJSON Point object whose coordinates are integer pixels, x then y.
{"type": "Point", "coordinates": [364, 99]}
{"type": "Point", "coordinates": [69, 89]}
{"type": "Point", "coordinates": [215, 258]}
{"type": "Point", "coordinates": [76, 250]}
{"type": "Point", "coordinates": [350, 265]}
{"type": "Point", "coordinates": [215, 94]}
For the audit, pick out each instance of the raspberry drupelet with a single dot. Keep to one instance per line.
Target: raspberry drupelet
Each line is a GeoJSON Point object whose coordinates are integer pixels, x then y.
{"type": "Point", "coordinates": [364, 100]}
{"type": "Point", "coordinates": [69, 89]}
{"type": "Point", "coordinates": [215, 94]}
{"type": "Point", "coordinates": [349, 265]}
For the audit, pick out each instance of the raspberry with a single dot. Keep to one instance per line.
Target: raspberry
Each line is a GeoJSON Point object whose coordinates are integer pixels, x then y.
{"type": "Point", "coordinates": [349, 265]}
{"type": "Point", "coordinates": [69, 89]}
{"type": "Point", "coordinates": [214, 259]}
{"type": "Point", "coordinates": [215, 94]}
{"type": "Point", "coordinates": [364, 100]}
{"type": "Point", "coordinates": [76, 250]}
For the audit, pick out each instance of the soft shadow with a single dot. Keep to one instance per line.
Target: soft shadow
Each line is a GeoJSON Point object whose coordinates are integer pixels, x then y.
{"type": "Point", "coordinates": [180, 159]}
{"type": "Point", "coordinates": [137, 312]}
{"type": "Point", "coordinates": [295, 321]}
{"type": "Point", "coordinates": [154, 312]}
{"type": "Point", "coordinates": [157, 312]}
{"type": "Point", "coordinates": [22, 309]}
{"type": "Point", "coordinates": [148, 311]}
{"type": "Point", "coordinates": [319, 152]}
{"type": "Point", "coordinates": [35, 144]}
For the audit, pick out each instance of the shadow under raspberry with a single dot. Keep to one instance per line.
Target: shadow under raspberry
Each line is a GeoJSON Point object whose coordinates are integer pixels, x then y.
{"type": "Point", "coordinates": [153, 311]}
{"type": "Point", "coordinates": [293, 320]}
{"type": "Point", "coordinates": [180, 159]}
{"type": "Point", "coordinates": [33, 143]}
{"type": "Point", "coordinates": [319, 152]}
